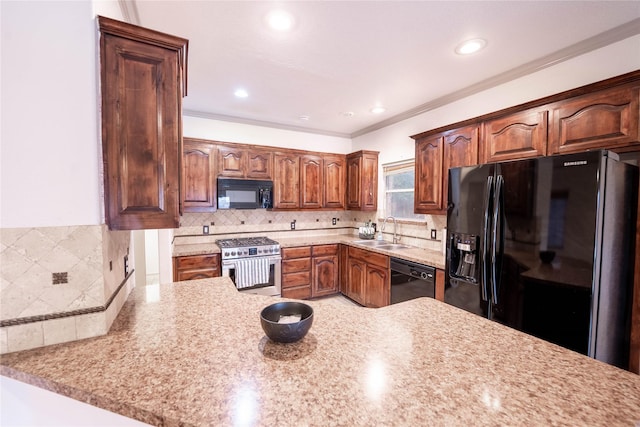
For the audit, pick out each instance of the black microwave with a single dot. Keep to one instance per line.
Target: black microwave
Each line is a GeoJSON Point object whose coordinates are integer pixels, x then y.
{"type": "Point", "coordinates": [244, 194]}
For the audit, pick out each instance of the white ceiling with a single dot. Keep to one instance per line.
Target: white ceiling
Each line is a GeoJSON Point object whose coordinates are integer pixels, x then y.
{"type": "Point", "coordinates": [348, 56]}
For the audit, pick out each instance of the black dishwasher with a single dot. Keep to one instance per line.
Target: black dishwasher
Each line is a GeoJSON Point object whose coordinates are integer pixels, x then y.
{"type": "Point", "coordinates": [411, 280]}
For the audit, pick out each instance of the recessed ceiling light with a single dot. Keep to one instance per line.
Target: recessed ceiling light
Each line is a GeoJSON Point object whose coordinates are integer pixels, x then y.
{"type": "Point", "coordinates": [378, 109]}
{"type": "Point", "coordinates": [470, 46]}
{"type": "Point", "coordinates": [304, 118]}
{"type": "Point", "coordinates": [280, 20]}
{"type": "Point", "coordinates": [348, 114]}
{"type": "Point", "coordinates": [241, 93]}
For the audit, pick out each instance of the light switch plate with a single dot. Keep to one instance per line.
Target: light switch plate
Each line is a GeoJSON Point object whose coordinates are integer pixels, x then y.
{"type": "Point", "coordinates": [433, 234]}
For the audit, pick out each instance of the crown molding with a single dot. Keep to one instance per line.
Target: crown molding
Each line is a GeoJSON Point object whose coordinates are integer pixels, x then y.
{"type": "Point", "coordinates": [233, 119]}
{"type": "Point", "coordinates": [129, 11]}
{"type": "Point", "coordinates": [606, 38]}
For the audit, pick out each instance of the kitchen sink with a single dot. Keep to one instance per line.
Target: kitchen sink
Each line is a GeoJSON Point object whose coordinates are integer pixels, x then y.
{"type": "Point", "coordinates": [371, 242]}
{"type": "Point", "coordinates": [381, 244]}
{"type": "Point", "coordinates": [392, 246]}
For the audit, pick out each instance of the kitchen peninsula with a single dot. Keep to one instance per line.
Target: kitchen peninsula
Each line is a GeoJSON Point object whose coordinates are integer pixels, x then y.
{"type": "Point", "coordinates": [193, 353]}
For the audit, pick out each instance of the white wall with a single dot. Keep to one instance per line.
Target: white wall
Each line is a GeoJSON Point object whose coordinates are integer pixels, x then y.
{"type": "Point", "coordinates": [50, 144]}
{"type": "Point", "coordinates": [196, 127]}
{"type": "Point", "coordinates": [49, 115]}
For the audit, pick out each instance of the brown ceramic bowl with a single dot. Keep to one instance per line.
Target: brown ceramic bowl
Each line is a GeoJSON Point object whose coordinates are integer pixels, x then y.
{"type": "Point", "coordinates": [279, 321]}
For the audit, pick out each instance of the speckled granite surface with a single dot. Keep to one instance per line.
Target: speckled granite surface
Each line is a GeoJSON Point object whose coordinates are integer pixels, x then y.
{"type": "Point", "coordinates": [193, 353]}
{"type": "Point", "coordinates": [423, 256]}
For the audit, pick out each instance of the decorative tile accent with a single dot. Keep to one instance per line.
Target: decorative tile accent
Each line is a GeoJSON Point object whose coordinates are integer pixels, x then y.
{"type": "Point", "coordinates": [60, 278]}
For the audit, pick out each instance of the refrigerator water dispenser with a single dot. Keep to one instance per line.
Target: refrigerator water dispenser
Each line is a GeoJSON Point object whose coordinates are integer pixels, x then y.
{"type": "Point", "coordinates": [464, 257]}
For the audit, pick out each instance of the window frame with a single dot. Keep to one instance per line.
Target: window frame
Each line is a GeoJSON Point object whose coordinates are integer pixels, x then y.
{"type": "Point", "coordinates": [398, 167]}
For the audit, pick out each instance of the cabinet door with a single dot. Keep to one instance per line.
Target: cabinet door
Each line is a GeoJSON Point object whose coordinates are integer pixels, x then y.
{"type": "Point", "coordinates": [356, 272]}
{"type": "Point", "coordinates": [325, 273]}
{"type": "Point", "coordinates": [460, 149]}
{"type": "Point", "coordinates": [311, 182]}
{"type": "Point", "coordinates": [517, 136]}
{"type": "Point", "coordinates": [428, 175]}
{"type": "Point", "coordinates": [141, 126]}
{"type": "Point", "coordinates": [354, 170]}
{"type": "Point", "coordinates": [232, 161]}
{"type": "Point", "coordinates": [198, 176]}
{"type": "Point", "coordinates": [369, 183]}
{"type": "Point", "coordinates": [362, 181]}
{"type": "Point", "coordinates": [334, 180]}
{"type": "Point", "coordinates": [286, 181]}
{"type": "Point", "coordinates": [607, 119]}
{"type": "Point", "coordinates": [259, 164]}
{"type": "Point", "coordinates": [378, 286]}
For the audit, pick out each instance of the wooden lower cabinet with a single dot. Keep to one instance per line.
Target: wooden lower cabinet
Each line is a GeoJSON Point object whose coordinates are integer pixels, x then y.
{"type": "Point", "coordinates": [296, 272]}
{"type": "Point", "coordinates": [310, 271]}
{"type": "Point", "coordinates": [368, 278]}
{"type": "Point", "coordinates": [356, 280]}
{"type": "Point", "coordinates": [325, 270]}
{"type": "Point", "coordinates": [194, 267]}
{"type": "Point", "coordinates": [440, 285]}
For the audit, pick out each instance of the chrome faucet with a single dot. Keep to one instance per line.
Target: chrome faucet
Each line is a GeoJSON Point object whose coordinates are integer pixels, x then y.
{"type": "Point", "coordinates": [396, 239]}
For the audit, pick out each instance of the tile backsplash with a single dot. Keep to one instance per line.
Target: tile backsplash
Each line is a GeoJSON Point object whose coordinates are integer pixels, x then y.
{"type": "Point", "coordinates": [59, 284]}
{"type": "Point", "coordinates": [278, 223]}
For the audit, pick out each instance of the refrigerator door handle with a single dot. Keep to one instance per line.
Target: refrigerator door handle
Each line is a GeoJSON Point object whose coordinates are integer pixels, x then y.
{"type": "Point", "coordinates": [485, 240]}
{"type": "Point", "coordinates": [497, 246]}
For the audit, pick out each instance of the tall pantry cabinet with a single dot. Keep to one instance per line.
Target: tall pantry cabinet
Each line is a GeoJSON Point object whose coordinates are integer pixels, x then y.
{"type": "Point", "coordinates": [143, 80]}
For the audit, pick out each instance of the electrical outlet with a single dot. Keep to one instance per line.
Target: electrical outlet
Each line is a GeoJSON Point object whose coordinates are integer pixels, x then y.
{"type": "Point", "coordinates": [205, 229]}
{"type": "Point", "coordinates": [293, 225]}
{"type": "Point", "coordinates": [433, 234]}
{"type": "Point", "coordinates": [126, 265]}
{"type": "Point", "coordinates": [333, 221]}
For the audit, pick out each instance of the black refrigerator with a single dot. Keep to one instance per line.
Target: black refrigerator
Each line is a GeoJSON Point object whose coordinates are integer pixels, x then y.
{"type": "Point", "coordinates": [546, 246]}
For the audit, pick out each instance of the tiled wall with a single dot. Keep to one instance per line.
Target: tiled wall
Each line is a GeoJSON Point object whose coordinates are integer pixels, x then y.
{"type": "Point", "coordinates": [59, 284]}
{"type": "Point", "coordinates": [278, 223]}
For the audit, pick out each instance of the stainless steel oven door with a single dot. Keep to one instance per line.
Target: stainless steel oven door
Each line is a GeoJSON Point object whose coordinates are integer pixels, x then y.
{"type": "Point", "coordinates": [272, 288]}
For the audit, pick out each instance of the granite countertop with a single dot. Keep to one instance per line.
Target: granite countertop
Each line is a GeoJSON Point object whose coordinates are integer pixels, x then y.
{"type": "Point", "coordinates": [193, 353]}
{"type": "Point", "coordinates": [415, 254]}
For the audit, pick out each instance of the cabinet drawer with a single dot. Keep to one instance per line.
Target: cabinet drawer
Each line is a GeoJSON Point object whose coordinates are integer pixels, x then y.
{"type": "Point", "coordinates": [296, 279]}
{"type": "Point", "coordinates": [197, 261]}
{"type": "Point", "coordinates": [300, 292]}
{"type": "Point", "coordinates": [369, 257]}
{"type": "Point", "coordinates": [300, 252]}
{"type": "Point", "coordinates": [204, 273]}
{"type": "Point", "coordinates": [295, 265]}
{"type": "Point", "coordinates": [322, 250]}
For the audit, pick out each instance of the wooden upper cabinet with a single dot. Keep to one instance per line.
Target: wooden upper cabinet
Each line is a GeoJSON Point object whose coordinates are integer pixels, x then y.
{"type": "Point", "coordinates": [311, 169]}
{"type": "Point", "coordinates": [428, 175]}
{"type": "Point", "coordinates": [334, 182]}
{"type": "Point", "coordinates": [362, 181]}
{"type": "Point", "coordinates": [517, 136]}
{"type": "Point", "coordinates": [435, 154]}
{"type": "Point", "coordinates": [198, 176]}
{"type": "Point", "coordinates": [286, 181]}
{"type": "Point", "coordinates": [240, 161]}
{"type": "Point", "coordinates": [259, 164]}
{"type": "Point", "coordinates": [142, 85]}
{"type": "Point", "coordinates": [606, 119]}
{"type": "Point", "coordinates": [232, 161]}
{"type": "Point", "coordinates": [460, 149]}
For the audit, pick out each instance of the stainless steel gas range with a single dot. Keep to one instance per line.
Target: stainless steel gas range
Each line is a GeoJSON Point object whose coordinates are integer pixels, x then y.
{"type": "Point", "coordinates": [253, 263]}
